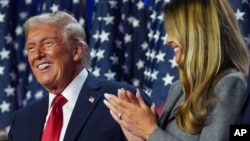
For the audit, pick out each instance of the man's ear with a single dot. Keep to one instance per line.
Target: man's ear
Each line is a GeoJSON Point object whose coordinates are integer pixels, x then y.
{"type": "Point", "coordinates": [78, 51]}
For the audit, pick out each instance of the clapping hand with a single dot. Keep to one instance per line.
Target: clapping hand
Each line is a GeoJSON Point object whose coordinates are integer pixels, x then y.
{"type": "Point", "coordinates": [131, 112]}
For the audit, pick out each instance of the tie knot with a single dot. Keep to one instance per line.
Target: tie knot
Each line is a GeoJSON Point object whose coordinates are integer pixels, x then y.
{"type": "Point", "coordinates": [59, 100]}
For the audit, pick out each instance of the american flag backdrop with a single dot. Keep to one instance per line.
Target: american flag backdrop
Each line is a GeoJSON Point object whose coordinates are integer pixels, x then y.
{"type": "Point", "coordinates": [161, 68]}
{"type": "Point", "coordinates": [118, 40]}
{"type": "Point", "coordinates": [126, 38]}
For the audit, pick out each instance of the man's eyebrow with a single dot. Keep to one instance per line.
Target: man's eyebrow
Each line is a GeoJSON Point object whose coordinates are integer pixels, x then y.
{"type": "Point", "coordinates": [26, 44]}
{"type": "Point", "coordinates": [40, 40]}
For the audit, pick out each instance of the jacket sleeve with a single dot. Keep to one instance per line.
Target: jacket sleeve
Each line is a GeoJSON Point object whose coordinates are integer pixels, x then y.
{"type": "Point", "coordinates": [229, 91]}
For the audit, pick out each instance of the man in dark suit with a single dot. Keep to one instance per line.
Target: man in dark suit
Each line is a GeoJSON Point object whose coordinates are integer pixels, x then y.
{"type": "Point", "coordinates": [58, 56]}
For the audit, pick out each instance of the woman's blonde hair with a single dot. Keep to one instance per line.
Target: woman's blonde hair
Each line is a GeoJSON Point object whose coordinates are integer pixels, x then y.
{"type": "Point", "coordinates": [210, 41]}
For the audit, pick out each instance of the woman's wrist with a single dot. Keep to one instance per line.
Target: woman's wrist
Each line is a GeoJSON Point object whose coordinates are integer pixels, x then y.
{"type": "Point", "coordinates": [150, 131]}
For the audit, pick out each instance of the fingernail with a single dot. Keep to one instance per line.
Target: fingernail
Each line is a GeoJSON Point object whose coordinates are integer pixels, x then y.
{"type": "Point", "coordinates": [119, 90]}
{"type": "Point", "coordinates": [106, 95]}
{"type": "Point", "coordinates": [105, 102]}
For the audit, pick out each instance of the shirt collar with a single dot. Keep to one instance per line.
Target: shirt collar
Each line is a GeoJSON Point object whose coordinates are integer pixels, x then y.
{"type": "Point", "coordinates": [71, 92]}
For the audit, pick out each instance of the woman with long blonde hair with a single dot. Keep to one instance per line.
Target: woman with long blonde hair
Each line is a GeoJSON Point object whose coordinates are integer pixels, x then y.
{"type": "Point", "coordinates": [213, 63]}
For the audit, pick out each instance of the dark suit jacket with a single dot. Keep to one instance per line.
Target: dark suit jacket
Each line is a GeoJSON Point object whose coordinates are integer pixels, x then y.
{"type": "Point", "coordinates": [89, 121]}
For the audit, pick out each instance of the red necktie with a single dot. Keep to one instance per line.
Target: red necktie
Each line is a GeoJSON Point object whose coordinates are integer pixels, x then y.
{"type": "Point", "coordinates": [54, 124]}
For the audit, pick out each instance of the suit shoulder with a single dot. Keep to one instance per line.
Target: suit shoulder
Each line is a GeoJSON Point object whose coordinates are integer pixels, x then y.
{"type": "Point", "coordinates": [37, 104]}
{"type": "Point", "coordinates": [232, 79]}
{"type": "Point", "coordinates": [117, 84]}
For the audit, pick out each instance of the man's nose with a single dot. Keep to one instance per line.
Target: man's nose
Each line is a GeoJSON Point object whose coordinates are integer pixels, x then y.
{"type": "Point", "coordinates": [39, 53]}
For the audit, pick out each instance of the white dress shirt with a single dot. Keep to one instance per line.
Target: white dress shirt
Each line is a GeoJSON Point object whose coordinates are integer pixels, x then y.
{"type": "Point", "coordinates": [71, 93]}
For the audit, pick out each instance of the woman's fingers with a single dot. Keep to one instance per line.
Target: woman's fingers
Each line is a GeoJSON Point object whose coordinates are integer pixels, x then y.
{"type": "Point", "coordinates": [122, 94]}
{"type": "Point", "coordinates": [127, 96]}
{"type": "Point", "coordinates": [129, 115]}
{"type": "Point", "coordinates": [153, 109]}
{"type": "Point", "coordinates": [117, 105]}
{"type": "Point", "coordinates": [132, 98]}
{"type": "Point", "coordinates": [140, 100]}
{"type": "Point", "coordinates": [113, 103]}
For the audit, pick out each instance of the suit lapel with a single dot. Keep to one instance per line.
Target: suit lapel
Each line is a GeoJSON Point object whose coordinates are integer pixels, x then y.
{"type": "Point", "coordinates": [86, 102]}
{"type": "Point", "coordinates": [39, 115]}
{"type": "Point", "coordinates": [175, 98]}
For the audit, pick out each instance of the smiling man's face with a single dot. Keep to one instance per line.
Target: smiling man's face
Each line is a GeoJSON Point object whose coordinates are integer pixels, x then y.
{"type": "Point", "coordinates": [50, 57]}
